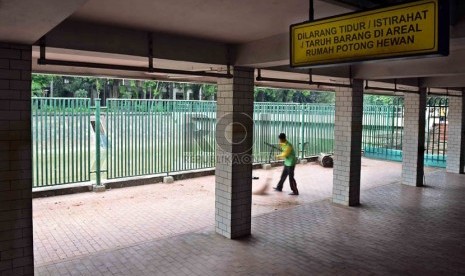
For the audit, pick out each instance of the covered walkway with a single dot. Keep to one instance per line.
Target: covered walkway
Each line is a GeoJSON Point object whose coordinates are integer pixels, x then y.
{"type": "Point", "coordinates": [398, 230]}
{"type": "Point", "coordinates": [239, 45]}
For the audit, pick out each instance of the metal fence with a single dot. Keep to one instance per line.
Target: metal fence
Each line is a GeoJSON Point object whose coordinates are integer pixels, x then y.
{"type": "Point", "coordinates": [436, 131]}
{"type": "Point", "coordinates": [310, 128]}
{"type": "Point", "coordinates": [151, 136]}
{"type": "Point", "coordinates": [62, 141]}
{"type": "Point", "coordinates": [383, 127]}
{"type": "Point", "coordinates": [144, 137]}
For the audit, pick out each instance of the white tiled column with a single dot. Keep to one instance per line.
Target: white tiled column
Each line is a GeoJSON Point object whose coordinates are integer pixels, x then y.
{"type": "Point", "coordinates": [16, 251]}
{"type": "Point", "coordinates": [348, 144]}
{"type": "Point", "coordinates": [234, 138]}
{"type": "Point", "coordinates": [456, 135]}
{"type": "Point", "coordinates": [413, 140]}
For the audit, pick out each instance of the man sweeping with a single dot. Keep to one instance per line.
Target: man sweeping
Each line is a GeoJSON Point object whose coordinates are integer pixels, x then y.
{"type": "Point", "coordinates": [288, 154]}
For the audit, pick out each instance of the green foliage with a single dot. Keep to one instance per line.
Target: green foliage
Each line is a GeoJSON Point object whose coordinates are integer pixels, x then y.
{"type": "Point", "coordinates": [381, 100]}
{"type": "Point", "coordinates": [124, 92]}
{"type": "Point", "coordinates": [80, 93]}
{"type": "Point", "coordinates": [209, 92]}
{"type": "Point", "coordinates": [63, 86]}
{"type": "Point", "coordinates": [151, 88]}
{"type": "Point", "coordinates": [265, 94]}
{"type": "Point", "coordinates": [37, 90]}
{"type": "Point", "coordinates": [69, 86]}
{"type": "Point", "coordinates": [40, 85]}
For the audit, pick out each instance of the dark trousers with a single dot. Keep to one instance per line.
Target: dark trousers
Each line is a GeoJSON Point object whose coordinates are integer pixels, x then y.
{"type": "Point", "coordinates": [288, 171]}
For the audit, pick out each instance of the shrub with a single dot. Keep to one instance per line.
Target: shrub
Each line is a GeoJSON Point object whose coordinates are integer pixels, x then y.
{"type": "Point", "coordinates": [81, 93]}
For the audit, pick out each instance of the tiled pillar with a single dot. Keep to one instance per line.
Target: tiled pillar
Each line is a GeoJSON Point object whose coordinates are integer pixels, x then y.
{"type": "Point", "coordinates": [456, 135]}
{"type": "Point", "coordinates": [16, 251]}
{"type": "Point", "coordinates": [234, 138]}
{"type": "Point", "coordinates": [348, 144]}
{"type": "Point", "coordinates": [413, 140]}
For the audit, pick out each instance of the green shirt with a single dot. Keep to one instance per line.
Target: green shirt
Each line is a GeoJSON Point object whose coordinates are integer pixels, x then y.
{"type": "Point", "coordinates": [288, 154]}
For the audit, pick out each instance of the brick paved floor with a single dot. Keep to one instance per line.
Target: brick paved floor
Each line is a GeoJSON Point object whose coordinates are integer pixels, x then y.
{"type": "Point", "coordinates": [398, 230]}
{"type": "Point", "coordinates": [92, 224]}
{"type": "Point", "coordinates": [76, 225]}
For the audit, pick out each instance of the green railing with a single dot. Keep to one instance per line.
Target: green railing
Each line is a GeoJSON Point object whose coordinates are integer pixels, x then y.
{"type": "Point", "coordinates": [61, 141]}
{"type": "Point", "coordinates": [436, 131]}
{"type": "Point", "coordinates": [76, 142]}
{"type": "Point", "coordinates": [153, 136]}
{"type": "Point", "coordinates": [310, 128]}
{"type": "Point", "coordinates": [382, 131]}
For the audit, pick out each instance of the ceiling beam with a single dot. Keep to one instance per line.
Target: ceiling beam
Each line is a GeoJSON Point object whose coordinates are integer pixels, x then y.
{"type": "Point", "coordinates": [457, 81]}
{"type": "Point", "coordinates": [413, 68]}
{"type": "Point", "coordinates": [76, 35]}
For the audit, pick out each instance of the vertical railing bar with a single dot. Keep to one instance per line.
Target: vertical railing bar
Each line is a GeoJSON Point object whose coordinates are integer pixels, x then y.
{"type": "Point", "coordinates": [36, 127]}
{"type": "Point", "coordinates": [144, 138]}
{"type": "Point", "coordinates": [46, 142]}
{"type": "Point", "coordinates": [88, 131]}
{"type": "Point", "coordinates": [79, 137]}
{"type": "Point", "coordinates": [123, 128]}
{"type": "Point", "coordinates": [130, 163]}
{"type": "Point", "coordinates": [97, 144]}
{"type": "Point", "coordinates": [108, 123]}
{"type": "Point", "coordinates": [434, 126]}
{"type": "Point", "coordinates": [62, 114]}
{"type": "Point", "coordinates": [136, 138]}
{"type": "Point", "coordinates": [54, 179]}
{"type": "Point", "coordinates": [446, 127]}
{"type": "Point", "coordinates": [130, 138]}
{"type": "Point", "coordinates": [139, 138]}
{"type": "Point", "coordinates": [127, 126]}
{"type": "Point", "coordinates": [60, 140]}
{"type": "Point", "coordinates": [126, 134]}
{"type": "Point", "coordinates": [72, 140]}
{"type": "Point", "coordinates": [110, 139]}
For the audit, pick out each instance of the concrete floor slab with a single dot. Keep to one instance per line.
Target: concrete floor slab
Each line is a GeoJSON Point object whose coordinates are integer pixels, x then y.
{"type": "Point", "coordinates": [73, 229]}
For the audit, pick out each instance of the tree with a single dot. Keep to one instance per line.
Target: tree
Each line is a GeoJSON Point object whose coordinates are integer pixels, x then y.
{"type": "Point", "coordinates": [67, 86]}
{"type": "Point", "coordinates": [124, 92]}
{"type": "Point", "coordinates": [151, 89]}
{"type": "Point", "coordinates": [380, 100]}
{"type": "Point", "coordinates": [265, 94]}
{"type": "Point", "coordinates": [209, 92]}
{"type": "Point", "coordinates": [40, 84]}
{"type": "Point", "coordinates": [80, 93]}
{"type": "Point", "coordinates": [196, 91]}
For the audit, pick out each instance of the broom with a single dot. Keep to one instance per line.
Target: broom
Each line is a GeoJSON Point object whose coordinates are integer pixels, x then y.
{"type": "Point", "coordinates": [264, 188]}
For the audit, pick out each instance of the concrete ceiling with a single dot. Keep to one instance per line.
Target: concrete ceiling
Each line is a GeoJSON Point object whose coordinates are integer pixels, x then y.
{"type": "Point", "coordinates": [25, 21]}
{"type": "Point", "coordinates": [236, 21]}
{"type": "Point", "coordinates": [201, 34]}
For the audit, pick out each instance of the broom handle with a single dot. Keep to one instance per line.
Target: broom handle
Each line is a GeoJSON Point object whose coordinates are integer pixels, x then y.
{"type": "Point", "coordinates": [272, 146]}
{"type": "Point", "coordinates": [271, 150]}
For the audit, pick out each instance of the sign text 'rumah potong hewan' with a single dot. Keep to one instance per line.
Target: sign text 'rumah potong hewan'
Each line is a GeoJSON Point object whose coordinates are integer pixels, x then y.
{"type": "Point", "coordinates": [418, 28]}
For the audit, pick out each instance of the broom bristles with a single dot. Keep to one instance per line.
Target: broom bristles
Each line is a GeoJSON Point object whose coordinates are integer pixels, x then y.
{"type": "Point", "coordinates": [264, 188]}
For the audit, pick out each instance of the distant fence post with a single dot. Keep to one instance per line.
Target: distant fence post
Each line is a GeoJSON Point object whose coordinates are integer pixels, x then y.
{"type": "Point", "coordinates": [97, 143]}
{"type": "Point", "coordinates": [302, 138]}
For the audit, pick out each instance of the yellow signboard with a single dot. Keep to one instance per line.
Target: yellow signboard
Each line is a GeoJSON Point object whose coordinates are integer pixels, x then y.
{"type": "Point", "coordinates": [416, 28]}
